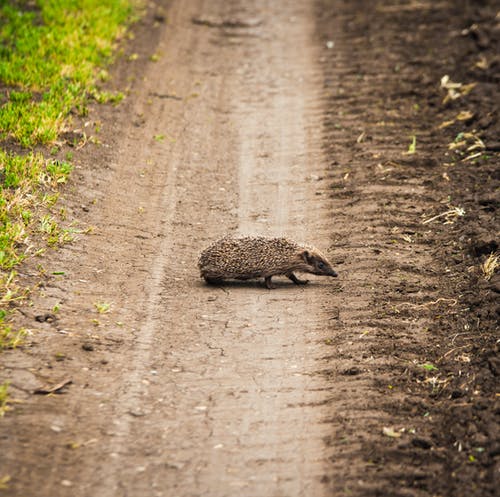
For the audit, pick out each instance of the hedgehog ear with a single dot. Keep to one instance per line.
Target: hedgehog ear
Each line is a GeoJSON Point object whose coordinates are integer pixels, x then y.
{"type": "Point", "coordinates": [308, 258]}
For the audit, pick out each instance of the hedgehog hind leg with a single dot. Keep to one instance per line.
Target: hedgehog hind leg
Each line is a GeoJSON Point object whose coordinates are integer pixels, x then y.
{"type": "Point", "coordinates": [269, 283]}
{"type": "Point", "coordinates": [296, 280]}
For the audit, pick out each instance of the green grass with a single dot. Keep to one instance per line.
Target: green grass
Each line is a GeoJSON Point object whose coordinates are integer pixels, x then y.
{"type": "Point", "coordinates": [50, 60]}
{"type": "Point", "coordinates": [9, 338]}
{"type": "Point", "coordinates": [4, 398]}
{"type": "Point", "coordinates": [102, 307]}
{"type": "Point", "coordinates": [53, 55]}
{"type": "Point", "coordinates": [28, 188]}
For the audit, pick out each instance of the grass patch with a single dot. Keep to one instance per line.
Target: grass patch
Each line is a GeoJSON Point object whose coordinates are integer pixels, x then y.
{"type": "Point", "coordinates": [28, 188]}
{"type": "Point", "coordinates": [102, 307]}
{"type": "Point", "coordinates": [52, 59]}
{"type": "Point", "coordinates": [10, 294]}
{"type": "Point", "coordinates": [4, 398]}
{"type": "Point", "coordinates": [9, 338]}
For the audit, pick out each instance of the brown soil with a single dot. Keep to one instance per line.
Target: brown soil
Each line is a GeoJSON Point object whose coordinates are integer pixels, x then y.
{"type": "Point", "coordinates": [275, 118]}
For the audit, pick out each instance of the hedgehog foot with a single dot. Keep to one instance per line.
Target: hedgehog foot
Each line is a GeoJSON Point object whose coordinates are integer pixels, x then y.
{"type": "Point", "coordinates": [296, 280]}
{"type": "Point", "coordinates": [269, 283]}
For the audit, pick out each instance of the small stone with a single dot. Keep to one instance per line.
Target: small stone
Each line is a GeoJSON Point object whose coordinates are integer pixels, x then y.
{"type": "Point", "coordinates": [87, 346]}
{"type": "Point", "coordinates": [48, 317]}
{"type": "Point", "coordinates": [137, 413]}
{"type": "Point", "coordinates": [353, 371]}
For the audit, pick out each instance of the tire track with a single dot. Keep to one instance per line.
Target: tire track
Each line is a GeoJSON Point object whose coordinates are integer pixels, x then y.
{"type": "Point", "coordinates": [243, 407]}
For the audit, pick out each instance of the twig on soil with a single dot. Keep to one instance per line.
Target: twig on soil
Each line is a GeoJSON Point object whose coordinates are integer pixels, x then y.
{"type": "Point", "coordinates": [457, 335]}
{"type": "Point", "coordinates": [53, 389]}
{"type": "Point", "coordinates": [453, 212]}
{"type": "Point", "coordinates": [454, 90]}
{"type": "Point", "coordinates": [454, 349]}
{"type": "Point", "coordinates": [473, 156]}
{"type": "Point", "coordinates": [452, 303]}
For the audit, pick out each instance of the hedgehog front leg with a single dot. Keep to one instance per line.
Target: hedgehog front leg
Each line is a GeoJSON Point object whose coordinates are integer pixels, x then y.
{"type": "Point", "coordinates": [268, 283]}
{"type": "Point", "coordinates": [296, 280]}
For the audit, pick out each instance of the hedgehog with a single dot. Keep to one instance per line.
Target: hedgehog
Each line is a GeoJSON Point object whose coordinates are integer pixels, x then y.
{"type": "Point", "coordinates": [253, 257]}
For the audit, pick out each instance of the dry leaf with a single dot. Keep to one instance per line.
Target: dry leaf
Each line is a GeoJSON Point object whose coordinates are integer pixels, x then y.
{"type": "Point", "coordinates": [390, 432]}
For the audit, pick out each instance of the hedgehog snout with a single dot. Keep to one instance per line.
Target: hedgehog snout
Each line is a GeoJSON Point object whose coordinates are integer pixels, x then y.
{"type": "Point", "coordinates": [327, 271]}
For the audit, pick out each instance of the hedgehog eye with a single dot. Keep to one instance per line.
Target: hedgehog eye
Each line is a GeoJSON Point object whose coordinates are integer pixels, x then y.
{"type": "Point", "coordinates": [321, 265]}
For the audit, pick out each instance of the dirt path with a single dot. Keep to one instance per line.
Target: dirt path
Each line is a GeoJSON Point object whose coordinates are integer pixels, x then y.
{"type": "Point", "coordinates": [246, 123]}
{"type": "Point", "coordinates": [226, 379]}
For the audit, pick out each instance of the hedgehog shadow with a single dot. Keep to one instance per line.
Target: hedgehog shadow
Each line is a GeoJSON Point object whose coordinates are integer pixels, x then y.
{"type": "Point", "coordinates": [260, 285]}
